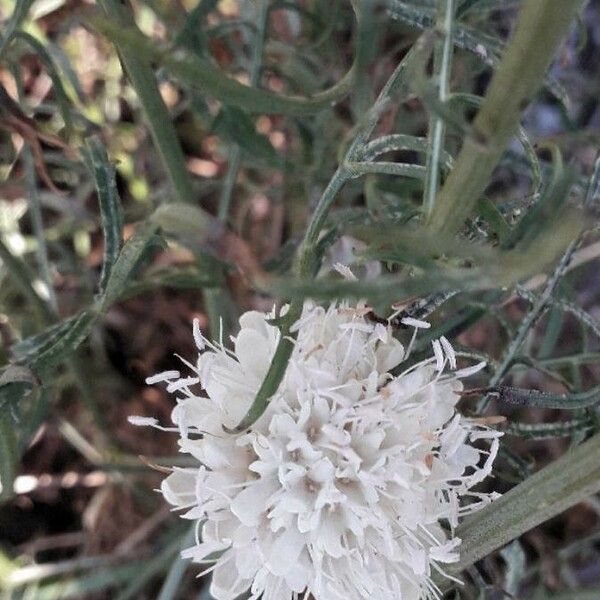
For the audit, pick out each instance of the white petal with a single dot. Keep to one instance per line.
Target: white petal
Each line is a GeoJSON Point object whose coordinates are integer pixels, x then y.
{"type": "Point", "coordinates": [227, 583]}
{"type": "Point", "coordinates": [142, 421]}
{"type": "Point", "coordinates": [250, 504]}
{"type": "Point", "coordinates": [252, 352]}
{"type": "Point", "coordinates": [468, 371]}
{"type": "Point", "coordinates": [284, 552]}
{"type": "Point", "coordinates": [202, 550]}
{"type": "Point", "coordinates": [160, 377]}
{"type": "Point", "coordinates": [416, 323]}
{"type": "Point", "coordinates": [179, 488]}
{"type": "Point", "coordinates": [439, 355]}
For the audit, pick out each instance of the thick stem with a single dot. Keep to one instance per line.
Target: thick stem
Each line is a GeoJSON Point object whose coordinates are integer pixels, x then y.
{"type": "Point", "coordinates": [541, 28]}
{"type": "Point", "coordinates": [562, 484]}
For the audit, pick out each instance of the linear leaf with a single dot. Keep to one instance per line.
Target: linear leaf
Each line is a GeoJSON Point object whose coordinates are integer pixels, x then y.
{"type": "Point", "coordinates": [8, 453]}
{"type": "Point", "coordinates": [538, 399]}
{"type": "Point", "coordinates": [356, 169]}
{"type": "Point", "coordinates": [125, 265]}
{"type": "Point", "coordinates": [111, 212]}
{"type": "Point", "coordinates": [32, 345]}
{"type": "Point", "coordinates": [201, 74]}
{"type": "Point", "coordinates": [18, 16]}
{"type": "Point", "coordinates": [543, 431]}
{"type": "Point", "coordinates": [62, 98]}
{"type": "Point", "coordinates": [63, 345]}
{"type": "Point", "coordinates": [397, 141]}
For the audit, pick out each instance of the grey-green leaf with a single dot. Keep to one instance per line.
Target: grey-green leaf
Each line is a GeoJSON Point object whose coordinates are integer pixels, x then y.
{"type": "Point", "coordinates": [125, 265]}
{"type": "Point", "coordinates": [111, 212]}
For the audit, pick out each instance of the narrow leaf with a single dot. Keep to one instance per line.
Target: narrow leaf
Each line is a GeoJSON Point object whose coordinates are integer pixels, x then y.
{"type": "Point", "coordinates": [8, 453]}
{"type": "Point", "coordinates": [109, 202]}
{"type": "Point", "coordinates": [125, 265]}
{"type": "Point", "coordinates": [203, 75]}
{"type": "Point", "coordinates": [544, 431]}
{"type": "Point", "coordinates": [18, 16]}
{"type": "Point", "coordinates": [537, 399]}
{"type": "Point", "coordinates": [65, 344]}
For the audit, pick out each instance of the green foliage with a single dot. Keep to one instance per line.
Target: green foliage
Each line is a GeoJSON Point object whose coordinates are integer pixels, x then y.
{"type": "Point", "coordinates": [284, 93]}
{"type": "Point", "coordinates": [111, 213]}
{"type": "Point", "coordinates": [235, 126]}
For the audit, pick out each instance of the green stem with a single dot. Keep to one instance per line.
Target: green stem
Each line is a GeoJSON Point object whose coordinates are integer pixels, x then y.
{"type": "Point", "coordinates": [533, 316]}
{"type": "Point", "coordinates": [442, 63]}
{"type": "Point", "coordinates": [540, 30]}
{"type": "Point", "coordinates": [305, 260]}
{"type": "Point", "coordinates": [555, 488]}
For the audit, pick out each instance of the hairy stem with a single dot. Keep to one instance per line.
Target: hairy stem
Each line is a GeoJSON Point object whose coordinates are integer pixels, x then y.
{"type": "Point", "coordinates": [562, 484]}
{"type": "Point", "coordinates": [305, 259]}
{"type": "Point", "coordinates": [540, 29]}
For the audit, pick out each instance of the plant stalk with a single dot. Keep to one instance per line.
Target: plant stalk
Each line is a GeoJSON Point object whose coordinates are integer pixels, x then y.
{"type": "Point", "coordinates": [305, 259]}
{"type": "Point", "coordinates": [541, 28]}
{"type": "Point", "coordinates": [567, 481]}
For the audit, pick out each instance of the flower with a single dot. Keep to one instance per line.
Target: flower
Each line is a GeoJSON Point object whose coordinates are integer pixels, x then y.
{"type": "Point", "coordinates": [351, 483]}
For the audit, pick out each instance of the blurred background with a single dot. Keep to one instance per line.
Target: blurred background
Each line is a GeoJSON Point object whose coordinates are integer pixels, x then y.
{"type": "Point", "coordinates": [84, 520]}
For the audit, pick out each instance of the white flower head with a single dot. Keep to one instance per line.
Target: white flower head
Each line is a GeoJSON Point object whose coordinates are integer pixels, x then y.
{"type": "Point", "coordinates": [349, 486]}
